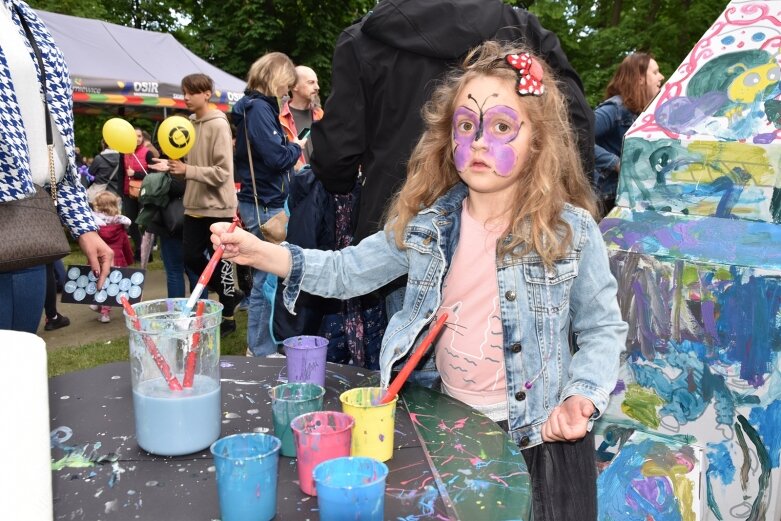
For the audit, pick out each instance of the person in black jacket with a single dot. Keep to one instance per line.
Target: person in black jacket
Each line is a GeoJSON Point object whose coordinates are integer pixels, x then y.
{"type": "Point", "coordinates": [385, 67]}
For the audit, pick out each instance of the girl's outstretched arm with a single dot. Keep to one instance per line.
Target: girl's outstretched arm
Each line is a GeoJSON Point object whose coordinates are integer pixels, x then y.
{"type": "Point", "coordinates": [245, 248]}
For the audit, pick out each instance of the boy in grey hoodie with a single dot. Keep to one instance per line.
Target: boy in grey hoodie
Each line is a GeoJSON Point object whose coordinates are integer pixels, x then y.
{"type": "Point", "coordinates": [210, 195]}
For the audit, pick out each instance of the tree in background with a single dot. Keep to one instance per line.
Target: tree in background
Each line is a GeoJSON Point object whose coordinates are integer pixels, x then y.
{"type": "Point", "coordinates": [232, 34]}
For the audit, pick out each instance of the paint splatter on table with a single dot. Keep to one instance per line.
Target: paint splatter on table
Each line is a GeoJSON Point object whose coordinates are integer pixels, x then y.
{"type": "Point", "coordinates": [449, 462]}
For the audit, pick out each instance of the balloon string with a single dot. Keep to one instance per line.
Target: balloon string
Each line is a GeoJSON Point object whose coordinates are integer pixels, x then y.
{"type": "Point", "coordinates": [140, 163]}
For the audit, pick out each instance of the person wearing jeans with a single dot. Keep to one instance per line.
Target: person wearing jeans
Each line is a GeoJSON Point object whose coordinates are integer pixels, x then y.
{"type": "Point", "coordinates": [22, 295]}
{"type": "Point", "coordinates": [175, 270]}
{"type": "Point", "coordinates": [258, 322]}
{"type": "Point", "coordinates": [265, 181]}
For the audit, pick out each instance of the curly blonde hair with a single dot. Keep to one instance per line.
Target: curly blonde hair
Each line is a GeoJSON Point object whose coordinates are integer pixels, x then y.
{"type": "Point", "coordinates": [107, 203]}
{"type": "Point", "coordinates": [551, 177]}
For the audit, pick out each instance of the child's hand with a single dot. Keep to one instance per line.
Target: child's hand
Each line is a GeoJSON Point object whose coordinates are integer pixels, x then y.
{"type": "Point", "coordinates": [245, 248]}
{"type": "Point", "coordinates": [568, 421]}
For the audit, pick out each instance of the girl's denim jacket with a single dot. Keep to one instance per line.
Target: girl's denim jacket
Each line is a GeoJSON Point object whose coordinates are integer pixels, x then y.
{"type": "Point", "coordinates": [539, 307]}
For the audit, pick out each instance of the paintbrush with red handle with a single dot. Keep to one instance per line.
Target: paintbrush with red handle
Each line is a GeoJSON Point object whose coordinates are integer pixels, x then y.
{"type": "Point", "coordinates": [395, 386]}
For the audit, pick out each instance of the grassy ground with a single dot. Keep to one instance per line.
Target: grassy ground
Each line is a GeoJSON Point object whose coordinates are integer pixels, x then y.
{"type": "Point", "coordinates": [74, 358]}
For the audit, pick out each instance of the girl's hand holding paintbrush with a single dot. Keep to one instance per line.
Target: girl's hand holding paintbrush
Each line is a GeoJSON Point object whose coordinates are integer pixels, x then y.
{"type": "Point", "coordinates": [245, 248]}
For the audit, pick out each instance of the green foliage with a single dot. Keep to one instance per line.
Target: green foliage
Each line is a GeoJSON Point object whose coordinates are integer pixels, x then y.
{"type": "Point", "coordinates": [234, 33]}
{"type": "Point", "coordinates": [82, 8]}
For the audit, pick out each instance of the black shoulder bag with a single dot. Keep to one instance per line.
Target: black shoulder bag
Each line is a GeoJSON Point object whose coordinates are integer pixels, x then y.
{"type": "Point", "coordinates": [30, 230]}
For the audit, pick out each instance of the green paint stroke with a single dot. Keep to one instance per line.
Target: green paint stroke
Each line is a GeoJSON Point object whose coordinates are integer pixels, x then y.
{"type": "Point", "coordinates": [74, 460]}
{"type": "Point", "coordinates": [690, 275]}
{"type": "Point", "coordinates": [760, 506]}
{"type": "Point", "coordinates": [641, 404]}
{"type": "Point", "coordinates": [722, 274]}
{"type": "Point", "coordinates": [712, 505]}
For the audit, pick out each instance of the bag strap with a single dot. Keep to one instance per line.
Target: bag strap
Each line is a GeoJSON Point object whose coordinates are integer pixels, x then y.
{"type": "Point", "coordinates": [251, 169]}
{"type": "Point", "coordinates": [116, 168]}
{"type": "Point", "coordinates": [44, 90]}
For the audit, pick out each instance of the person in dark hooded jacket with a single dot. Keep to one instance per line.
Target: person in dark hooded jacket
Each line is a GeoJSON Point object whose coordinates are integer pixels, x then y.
{"type": "Point", "coordinates": [385, 68]}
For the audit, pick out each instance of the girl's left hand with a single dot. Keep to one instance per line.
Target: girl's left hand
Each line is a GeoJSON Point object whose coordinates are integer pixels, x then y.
{"type": "Point", "coordinates": [176, 167]}
{"type": "Point", "coordinates": [569, 421]}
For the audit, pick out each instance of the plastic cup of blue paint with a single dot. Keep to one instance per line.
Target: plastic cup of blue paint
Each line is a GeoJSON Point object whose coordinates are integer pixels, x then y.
{"type": "Point", "coordinates": [246, 469]}
{"type": "Point", "coordinates": [351, 488]}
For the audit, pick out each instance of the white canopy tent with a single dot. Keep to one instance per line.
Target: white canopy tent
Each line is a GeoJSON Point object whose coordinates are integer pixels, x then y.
{"type": "Point", "coordinates": [117, 65]}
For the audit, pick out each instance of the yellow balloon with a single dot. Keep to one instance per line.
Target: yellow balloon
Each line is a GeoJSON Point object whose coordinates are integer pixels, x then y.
{"type": "Point", "coordinates": [119, 135]}
{"type": "Point", "coordinates": [176, 136]}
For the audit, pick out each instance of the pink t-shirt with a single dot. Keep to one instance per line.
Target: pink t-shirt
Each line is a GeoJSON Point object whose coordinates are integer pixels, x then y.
{"type": "Point", "coordinates": [469, 353]}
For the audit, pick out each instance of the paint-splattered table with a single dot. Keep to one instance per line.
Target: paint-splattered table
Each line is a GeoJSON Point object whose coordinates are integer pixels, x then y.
{"type": "Point", "coordinates": [449, 461]}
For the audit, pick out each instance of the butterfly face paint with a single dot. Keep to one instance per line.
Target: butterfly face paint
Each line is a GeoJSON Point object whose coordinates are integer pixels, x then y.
{"type": "Point", "coordinates": [498, 126]}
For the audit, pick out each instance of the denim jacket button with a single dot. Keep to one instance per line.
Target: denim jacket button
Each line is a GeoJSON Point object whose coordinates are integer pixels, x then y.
{"type": "Point", "coordinates": [525, 441]}
{"type": "Point", "coordinates": [520, 396]}
{"type": "Point", "coordinates": [516, 348]}
{"type": "Point", "coordinates": [510, 295]}
{"type": "Point", "coordinates": [427, 241]}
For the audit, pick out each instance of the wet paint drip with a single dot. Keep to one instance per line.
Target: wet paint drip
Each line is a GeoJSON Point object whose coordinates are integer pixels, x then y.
{"type": "Point", "coordinates": [82, 456]}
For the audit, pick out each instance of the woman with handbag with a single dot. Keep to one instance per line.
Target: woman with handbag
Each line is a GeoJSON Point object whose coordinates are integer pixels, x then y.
{"type": "Point", "coordinates": [263, 162]}
{"type": "Point", "coordinates": [136, 167]}
{"type": "Point", "coordinates": [106, 168]}
{"type": "Point", "coordinates": [38, 151]}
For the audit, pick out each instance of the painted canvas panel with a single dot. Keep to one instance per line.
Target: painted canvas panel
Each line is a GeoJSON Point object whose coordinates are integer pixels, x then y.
{"type": "Point", "coordinates": [649, 477]}
{"type": "Point", "coordinates": [702, 363]}
{"type": "Point", "coordinates": [709, 144]}
{"type": "Point", "coordinates": [695, 246]}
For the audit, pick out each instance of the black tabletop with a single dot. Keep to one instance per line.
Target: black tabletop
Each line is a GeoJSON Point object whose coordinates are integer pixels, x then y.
{"type": "Point", "coordinates": [99, 472]}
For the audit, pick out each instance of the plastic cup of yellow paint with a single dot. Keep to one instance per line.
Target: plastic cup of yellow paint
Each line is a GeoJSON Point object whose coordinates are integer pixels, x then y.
{"type": "Point", "coordinates": [374, 424]}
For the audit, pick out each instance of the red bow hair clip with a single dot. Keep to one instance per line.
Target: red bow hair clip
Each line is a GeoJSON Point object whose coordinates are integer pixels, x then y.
{"type": "Point", "coordinates": [529, 74]}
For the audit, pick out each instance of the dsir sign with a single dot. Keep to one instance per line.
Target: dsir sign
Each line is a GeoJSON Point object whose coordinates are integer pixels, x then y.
{"type": "Point", "coordinates": [145, 87]}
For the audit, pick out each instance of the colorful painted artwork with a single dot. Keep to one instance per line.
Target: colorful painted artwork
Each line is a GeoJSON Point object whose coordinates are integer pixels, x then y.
{"type": "Point", "coordinates": [650, 477]}
{"type": "Point", "coordinates": [695, 245]}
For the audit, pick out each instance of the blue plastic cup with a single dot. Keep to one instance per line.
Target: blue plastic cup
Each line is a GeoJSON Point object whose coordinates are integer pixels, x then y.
{"type": "Point", "coordinates": [247, 476]}
{"type": "Point", "coordinates": [351, 488]}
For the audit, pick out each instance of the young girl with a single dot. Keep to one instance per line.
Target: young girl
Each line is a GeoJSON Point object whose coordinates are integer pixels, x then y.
{"type": "Point", "coordinates": [113, 228]}
{"type": "Point", "coordinates": [494, 226]}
